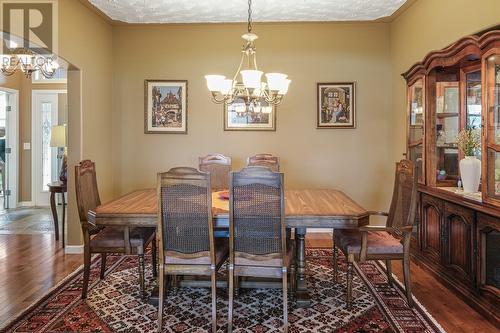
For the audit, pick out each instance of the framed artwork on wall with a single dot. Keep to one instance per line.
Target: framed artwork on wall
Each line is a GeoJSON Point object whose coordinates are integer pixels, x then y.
{"type": "Point", "coordinates": [336, 105]}
{"type": "Point", "coordinates": [165, 106]}
{"type": "Point", "coordinates": [240, 117]}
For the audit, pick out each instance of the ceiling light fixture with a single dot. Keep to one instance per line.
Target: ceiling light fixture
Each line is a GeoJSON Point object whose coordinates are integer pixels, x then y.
{"type": "Point", "coordinates": [251, 89]}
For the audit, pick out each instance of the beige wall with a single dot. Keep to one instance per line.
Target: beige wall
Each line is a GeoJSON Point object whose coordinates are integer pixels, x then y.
{"type": "Point", "coordinates": [354, 161]}
{"type": "Point", "coordinates": [425, 26]}
{"type": "Point", "coordinates": [85, 41]}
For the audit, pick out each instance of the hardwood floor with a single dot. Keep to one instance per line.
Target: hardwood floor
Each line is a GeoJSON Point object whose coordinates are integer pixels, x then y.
{"type": "Point", "coordinates": [31, 264]}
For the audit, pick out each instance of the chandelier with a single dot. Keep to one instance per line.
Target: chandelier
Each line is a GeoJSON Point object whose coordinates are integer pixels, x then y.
{"type": "Point", "coordinates": [28, 62]}
{"type": "Point", "coordinates": [251, 89]}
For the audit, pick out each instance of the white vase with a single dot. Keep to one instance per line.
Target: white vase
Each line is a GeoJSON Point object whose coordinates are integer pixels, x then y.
{"type": "Point", "coordinates": [470, 172]}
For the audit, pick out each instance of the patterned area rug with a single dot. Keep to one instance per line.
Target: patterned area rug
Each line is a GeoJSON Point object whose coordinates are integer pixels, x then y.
{"type": "Point", "coordinates": [114, 305]}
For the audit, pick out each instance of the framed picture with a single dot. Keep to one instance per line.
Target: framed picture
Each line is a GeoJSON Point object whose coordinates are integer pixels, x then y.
{"type": "Point", "coordinates": [240, 117]}
{"type": "Point", "coordinates": [165, 106]}
{"type": "Point", "coordinates": [336, 105]}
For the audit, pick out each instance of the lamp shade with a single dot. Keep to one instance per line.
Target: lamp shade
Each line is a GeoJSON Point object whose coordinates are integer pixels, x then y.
{"type": "Point", "coordinates": [251, 78]}
{"type": "Point", "coordinates": [284, 88]}
{"type": "Point", "coordinates": [215, 83]}
{"type": "Point", "coordinates": [58, 136]}
{"type": "Point", "coordinates": [275, 81]}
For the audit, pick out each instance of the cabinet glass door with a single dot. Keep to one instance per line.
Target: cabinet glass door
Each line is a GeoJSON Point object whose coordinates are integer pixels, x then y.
{"type": "Point", "coordinates": [493, 126]}
{"type": "Point", "coordinates": [416, 127]}
{"type": "Point", "coordinates": [447, 128]}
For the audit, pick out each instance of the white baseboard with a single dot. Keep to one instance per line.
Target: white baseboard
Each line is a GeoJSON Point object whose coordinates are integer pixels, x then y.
{"type": "Point", "coordinates": [73, 249]}
{"type": "Point", "coordinates": [25, 204]}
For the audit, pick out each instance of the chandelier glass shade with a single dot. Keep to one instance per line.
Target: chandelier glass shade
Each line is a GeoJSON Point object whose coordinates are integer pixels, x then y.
{"type": "Point", "coordinates": [28, 62]}
{"type": "Point", "coordinates": [247, 83]}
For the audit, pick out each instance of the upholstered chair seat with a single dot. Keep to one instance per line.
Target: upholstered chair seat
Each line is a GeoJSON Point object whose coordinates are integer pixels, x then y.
{"type": "Point", "coordinates": [349, 241]}
{"type": "Point", "coordinates": [112, 237]}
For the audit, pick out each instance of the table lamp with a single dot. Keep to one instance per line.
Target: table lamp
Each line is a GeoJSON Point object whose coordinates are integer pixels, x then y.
{"type": "Point", "coordinates": [58, 139]}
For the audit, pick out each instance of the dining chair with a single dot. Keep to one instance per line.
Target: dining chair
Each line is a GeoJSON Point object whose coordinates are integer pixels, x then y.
{"type": "Point", "coordinates": [267, 160]}
{"type": "Point", "coordinates": [97, 239]}
{"type": "Point", "coordinates": [389, 242]}
{"type": "Point", "coordinates": [258, 245]}
{"type": "Point", "coordinates": [186, 231]}
{"type": "Point", "coordinates": [219, 168]}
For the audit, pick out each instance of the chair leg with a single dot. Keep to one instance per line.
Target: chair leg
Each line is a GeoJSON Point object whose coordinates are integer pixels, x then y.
{"type": "Point", "coordinates": [388, 266]}
{"type": "Point", "coordinates": [293, 280]}
{"type": "Point", "coordinates": [285, 301]}
{"type": "Point", "coordinates": [154, 257]}
{"type": "Point", "coordinates": [230, 290]}
{"type": "Point", "coordinates": [103, 265]}
{"type": "Point", "coordinates": [406, 273]}
{"type": "Point", "coordinates": [161, 295]}
{"type": "Point", "coordinates": [236, 286]}
{"type": "Point", "coordinates": [141, 275]}
{"type": "Point", "coordinates": [175, 285]}
{"type": "Point", "coordinates": [335, 262]}
{"type": "Point", "coordinates": [86, 271]}
{"type": "Point", "coordinates": [214, 300]}
{"type": "Point", "coordinates": [350, 261]}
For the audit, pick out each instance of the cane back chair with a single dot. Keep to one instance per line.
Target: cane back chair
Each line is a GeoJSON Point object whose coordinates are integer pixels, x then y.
{"type": "Point", "coordinates": [186, 232]}
{"type": "Point", "coordinates": [101, 240]}
{"type": "Point", "coordinates": [258, 243]}
{"type": "Point", "coordinates": [266, 160]}
{"type": "Point", "coordinates": [219, 168]}
{"type": "Point", "coordinates": [389, 242]}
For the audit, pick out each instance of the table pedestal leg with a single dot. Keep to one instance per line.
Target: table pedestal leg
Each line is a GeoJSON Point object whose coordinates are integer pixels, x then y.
{"type": "Point", "coordinates": [54, 213]}
{"type": "Point", "coordinates": [301, 295]}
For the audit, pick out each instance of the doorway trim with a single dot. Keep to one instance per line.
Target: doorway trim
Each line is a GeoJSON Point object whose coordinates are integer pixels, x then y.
{"type": "Point", "coordinates": [34, 176]}
{"type": "Point", "coordinates": [13, 166]}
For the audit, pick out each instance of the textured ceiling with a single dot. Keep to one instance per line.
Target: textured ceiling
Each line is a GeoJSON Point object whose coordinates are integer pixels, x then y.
{"type": "Point", "coordinates": [203, 11]}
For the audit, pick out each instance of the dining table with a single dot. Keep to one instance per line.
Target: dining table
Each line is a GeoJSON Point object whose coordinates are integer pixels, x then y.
{"type": "Point", "coordinates": [304, 209]}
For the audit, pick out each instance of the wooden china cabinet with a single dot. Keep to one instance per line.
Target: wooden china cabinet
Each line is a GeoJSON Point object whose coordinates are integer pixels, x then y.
{"type": "Point", "coordinates": [458, 237]}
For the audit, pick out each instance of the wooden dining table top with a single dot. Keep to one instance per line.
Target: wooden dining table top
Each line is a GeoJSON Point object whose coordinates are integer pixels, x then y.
{"type": "Point", "coordinates": [303, 208]}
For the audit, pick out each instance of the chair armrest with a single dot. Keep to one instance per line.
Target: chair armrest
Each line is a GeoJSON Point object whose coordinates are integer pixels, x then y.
{"type": "Point", "coordinates": [372, 212]}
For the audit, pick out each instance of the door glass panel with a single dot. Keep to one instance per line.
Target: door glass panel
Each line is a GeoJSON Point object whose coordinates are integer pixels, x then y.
{"type": "Point", "coordinates": [416, 157]}
{"type": "Point", "coordinates": [493, 259]}
{"type": "Point", "coordinates": [473, 101]}
{"type": "Point", "coordinates": [447, 128]}
{"type": "Point", "coordinates": [417, 104]}
{"type": "Point", "coordinates": [493, 98]}
{"type": "Point", "coordinates": [493, 173]}
{"type": "Point", "coordinates": [46, 149]}
{"type": "Point", "coordinates": [416, 126]}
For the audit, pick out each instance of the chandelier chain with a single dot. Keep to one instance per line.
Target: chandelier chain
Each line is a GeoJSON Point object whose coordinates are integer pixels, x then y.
{"type": "Point", "coordinates": [249, 15]}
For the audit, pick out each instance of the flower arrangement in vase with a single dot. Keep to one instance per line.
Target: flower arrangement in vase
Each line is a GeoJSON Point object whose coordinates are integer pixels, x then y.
{"type": "Point", "coordinates": [469, 141]}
